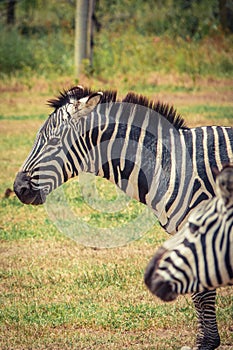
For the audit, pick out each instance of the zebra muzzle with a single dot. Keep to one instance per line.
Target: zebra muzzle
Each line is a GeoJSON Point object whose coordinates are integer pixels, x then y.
{"type": "Point", "coordinates": [24, 191]}
{"type": "Point", "coordinates": [162, 289]}
{"type": "Point", "coordinates": [155, 282]}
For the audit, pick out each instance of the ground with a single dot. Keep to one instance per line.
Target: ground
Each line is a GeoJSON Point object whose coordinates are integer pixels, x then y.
{"type": "Point", "coordinates": [57, 294]}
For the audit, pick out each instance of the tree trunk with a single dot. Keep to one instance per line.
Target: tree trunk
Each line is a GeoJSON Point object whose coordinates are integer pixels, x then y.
{"type": "Point", "coordinates": [226, 15]}
{"type": "Point", "coordinates": [90, 40]}
{"type": "Point", "coordinates": [83, 33]}
{"type": "Point", "coordinates": [10, 20]}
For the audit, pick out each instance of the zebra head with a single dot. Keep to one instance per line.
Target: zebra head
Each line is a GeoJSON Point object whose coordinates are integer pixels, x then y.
{"type": "Point", "coordinates": [174, 268]}
{"type": "Point", "coordinates": [199, 257]}
{"type": "Point", "coordinates": [49, 163]}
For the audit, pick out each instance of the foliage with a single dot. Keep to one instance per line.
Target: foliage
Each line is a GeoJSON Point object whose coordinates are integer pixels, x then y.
{"type": "Point", "coordinates": [184, 18]}
{"type": "Point", "coordinates": [134, 37]}
{"type": "Point", "coordinates": [15, 52]}
{"type": "Point", "coordinates": [127, 54]}
{"type": "Point", "coordinates": [41, 54]}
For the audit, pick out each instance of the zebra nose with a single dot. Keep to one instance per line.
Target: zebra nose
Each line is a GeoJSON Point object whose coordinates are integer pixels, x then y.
{"type": "Point", "coordinates": [152, 266]}
{"type": "Point", "coordinates": [163, 289]}
{"type": "Point", "coordinates": [22, 185]}
{"type": "Point", "coordinates": [24, 190]}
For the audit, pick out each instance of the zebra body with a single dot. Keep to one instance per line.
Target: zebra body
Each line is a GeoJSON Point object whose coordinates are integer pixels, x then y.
{"type": "Point", "coordinates": [142, 147]}
{"type": "Point", "coordinates": [155, 160]}
{"type": "Point", "coordinates": [200, 256]}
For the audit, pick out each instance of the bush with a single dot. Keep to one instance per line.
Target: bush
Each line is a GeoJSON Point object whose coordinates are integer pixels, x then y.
{"type": "Point", "coordinates": [16, 52]}
{"type": "Point", "coordinates": [132, 54]}
{"type": "Point", "coordinates": [184, 18]}
{"type": "Point", "coordinates": [45, 54]}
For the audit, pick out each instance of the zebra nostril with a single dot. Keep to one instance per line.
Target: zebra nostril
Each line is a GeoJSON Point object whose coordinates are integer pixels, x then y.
{"type": "Point", "coordinates": [24, 189]}
{"type": "Point", "coordinates": [21, 189]}
{"type": "Point", "coordinates": [22, 180]}
{"type": "Point", "coordinates": [22, 184]}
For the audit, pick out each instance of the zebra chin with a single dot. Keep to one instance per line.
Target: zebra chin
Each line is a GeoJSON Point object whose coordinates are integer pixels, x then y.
{"type": "Point", "coordinates": [24, 191]}
{"type": "Point", "coordinates": [161, 288]}
{"type": "Point", "coordinates": [31, 197]}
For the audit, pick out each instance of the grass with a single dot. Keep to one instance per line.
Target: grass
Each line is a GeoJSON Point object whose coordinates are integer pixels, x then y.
{"type": "Point", "coordinates": [58, 294]}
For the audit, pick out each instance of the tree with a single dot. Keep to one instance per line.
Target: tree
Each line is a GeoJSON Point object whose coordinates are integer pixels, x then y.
{"type": "Point", "coordinates": [83, 32]}
{"type": "Point", "coordinates": [27, 5]}
{"type": "Point", "coordinates": [10, 10]}
{"type": "Point", "coordinates": [226, 15]}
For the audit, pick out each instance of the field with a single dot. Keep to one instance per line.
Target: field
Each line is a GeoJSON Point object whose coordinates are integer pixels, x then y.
{"type": "Point", "coordinates": [58, 294]}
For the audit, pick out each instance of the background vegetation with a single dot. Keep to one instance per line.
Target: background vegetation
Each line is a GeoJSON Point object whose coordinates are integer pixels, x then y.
{"type": "Point", "coordinates": [179, 36]}
{"type": "Point", "coordinates": [55, 293]}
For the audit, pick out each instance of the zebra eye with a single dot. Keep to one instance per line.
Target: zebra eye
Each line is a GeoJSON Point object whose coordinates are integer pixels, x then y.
{"type": "Point", "coordinates": [223, 183]}
{"type": "Point", "coordinates": [193, 228]}
{"type": "Point", "coordinates": [54, 141]}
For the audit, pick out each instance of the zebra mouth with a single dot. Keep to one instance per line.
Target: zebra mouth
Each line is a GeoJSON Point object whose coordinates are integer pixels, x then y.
{"type": "Point", "coordinates": [24, 191]}
{"type": "Point", "coordinates": [34, 197]}
{"type": "Point", "coordinates": [156, 283]}
{"type": "Point", "coordinates": [162, 289]}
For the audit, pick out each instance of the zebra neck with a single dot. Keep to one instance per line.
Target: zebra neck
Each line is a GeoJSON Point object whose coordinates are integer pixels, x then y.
{"type": "Point", "coordinates": [145, 157]}
{"type": "Point", "coordinates": [135, 169]}
{"type": "Point", "coordinates": [122, 148]}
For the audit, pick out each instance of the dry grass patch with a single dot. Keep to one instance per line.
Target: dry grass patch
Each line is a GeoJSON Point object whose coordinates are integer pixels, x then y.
{"type": "Point", "coordinates": [58, 294]}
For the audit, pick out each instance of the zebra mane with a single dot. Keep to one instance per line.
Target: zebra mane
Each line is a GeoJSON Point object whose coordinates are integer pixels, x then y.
{"type": "Point", "coordinates": [163, 109]}
{"type": "Point", "coordinates": [78, 92]}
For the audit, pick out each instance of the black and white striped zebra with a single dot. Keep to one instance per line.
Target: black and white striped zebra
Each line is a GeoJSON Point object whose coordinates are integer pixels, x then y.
{"type": "Point", "coordinates": [200, 256]}
{"type": "Point", "coordinates": [141, 146]}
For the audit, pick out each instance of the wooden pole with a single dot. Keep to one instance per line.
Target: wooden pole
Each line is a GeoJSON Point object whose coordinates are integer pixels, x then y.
{"type": "Point", "coordinates": [90, 30]}
{"type": "Point", "coordinates": [80, 33]}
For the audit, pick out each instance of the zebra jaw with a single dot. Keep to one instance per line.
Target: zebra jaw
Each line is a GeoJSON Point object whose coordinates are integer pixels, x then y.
{"type": "Point", "coordinates": [24, 191]}
{"type": "Point", "coordinates": [156, 283]}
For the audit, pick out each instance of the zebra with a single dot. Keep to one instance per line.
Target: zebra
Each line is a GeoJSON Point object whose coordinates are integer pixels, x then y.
{"type": "Point", "coordinates": [200, 256]}
{"type": "Point", "coordinates": [143, 147]}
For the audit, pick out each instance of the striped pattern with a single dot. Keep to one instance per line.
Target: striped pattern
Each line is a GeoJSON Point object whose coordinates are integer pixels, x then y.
{"type": "Point", "coordinates": [141, 146]}
{"type": "Point", "coordinates": [199, 257]}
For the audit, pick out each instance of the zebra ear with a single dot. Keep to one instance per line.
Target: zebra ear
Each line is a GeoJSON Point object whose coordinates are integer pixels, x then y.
{"type": "Point", "coordinates": [86, 104]}
{"type": "Point", "coordinates": [94, 99]}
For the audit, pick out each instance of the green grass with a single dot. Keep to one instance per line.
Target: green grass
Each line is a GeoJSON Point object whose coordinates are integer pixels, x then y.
{"type": "Point", "coordinates": [41, 117]}
{"type": "Point", "coordinates": [217, 115]}
{"type": "Point", "coordinates": [58, 294]}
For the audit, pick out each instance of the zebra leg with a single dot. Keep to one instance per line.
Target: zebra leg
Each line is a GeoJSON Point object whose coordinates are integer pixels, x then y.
{"type": "Point", "coordinates": [208, 336]}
